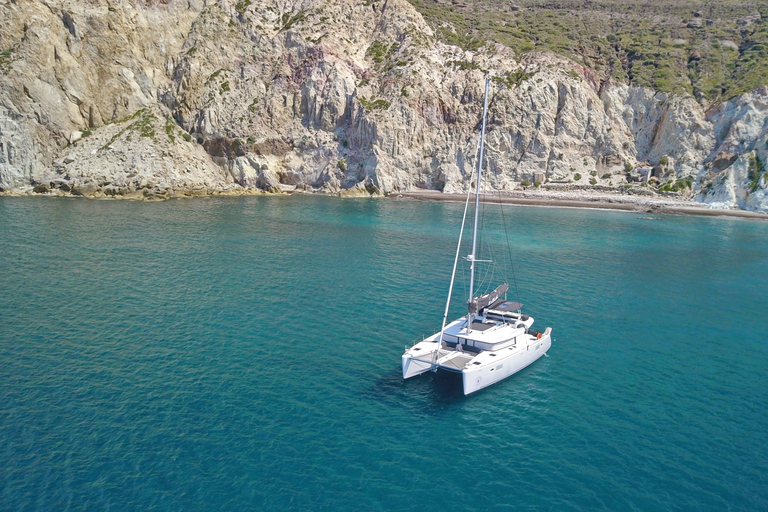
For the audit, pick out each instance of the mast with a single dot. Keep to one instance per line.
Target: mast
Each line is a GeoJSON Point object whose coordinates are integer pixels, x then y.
{"type": "Point", "coordinates": [471, 257]}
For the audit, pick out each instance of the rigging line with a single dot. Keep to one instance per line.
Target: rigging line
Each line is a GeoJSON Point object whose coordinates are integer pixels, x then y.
{"type": "Point", "coordinates": [501, 207]}
{"type": "Point", "coordinates": [489, 248]}
{"type": "Point", "coordinates": [464, 269]}
{"type": "Point", "coordinates": [453, 272]}
{"type": "Point", "coordinates": [506, 236]}
{"type": "Point", "coordinates": [509, 251]}
{"type": "Point", "coordinates": [489, 266]}
{"type": "Point", "coordinates": [506, 233]}
{"type": "Point", "coordinates": [465, 286]}
{"type": "Point", "coordinates": [487, 282]}
{"type": "Point", "coordinates": [486, 247]}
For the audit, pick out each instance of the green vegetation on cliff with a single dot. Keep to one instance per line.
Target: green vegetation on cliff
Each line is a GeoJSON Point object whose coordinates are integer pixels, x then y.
{"type": "Point", "coordinates": [712, 50]}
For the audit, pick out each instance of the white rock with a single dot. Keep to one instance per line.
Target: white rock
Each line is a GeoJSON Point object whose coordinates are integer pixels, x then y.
{"type": "Point", "coordinates": [280, 107]}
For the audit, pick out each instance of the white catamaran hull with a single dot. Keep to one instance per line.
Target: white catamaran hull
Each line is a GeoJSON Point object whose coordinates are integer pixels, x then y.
{"type": "Point", "coordinates": [418, 359]}
{"type": "Point", "coordinates": [479, 377]}
{"type": "Point", "coordinates": [478, 370]}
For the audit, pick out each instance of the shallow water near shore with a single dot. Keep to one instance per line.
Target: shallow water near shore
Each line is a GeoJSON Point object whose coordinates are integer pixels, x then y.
{"type": "Point", "coordinates": [244, 353]}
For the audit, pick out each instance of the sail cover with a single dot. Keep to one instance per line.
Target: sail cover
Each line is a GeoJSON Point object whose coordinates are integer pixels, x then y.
{"type": "Point", "coordinates": [479, 303]}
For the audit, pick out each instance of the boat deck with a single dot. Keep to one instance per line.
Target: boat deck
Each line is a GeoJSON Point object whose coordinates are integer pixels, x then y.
{"type": "Point", "coordinates": [480, 326]}
{"type": "Point", "coordinates": [454, 360]}
{"type": "Point", "coordinates": [484, 335]}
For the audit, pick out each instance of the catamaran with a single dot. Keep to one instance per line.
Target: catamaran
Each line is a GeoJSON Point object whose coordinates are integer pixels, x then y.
{"type": "Point", "coordinates": [495, 339]}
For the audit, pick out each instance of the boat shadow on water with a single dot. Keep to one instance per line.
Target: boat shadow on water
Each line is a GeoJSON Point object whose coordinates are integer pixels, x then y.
{"type": "Point", "coordinates": [441, 388]}
{"type": "Point", "coordinates": [430, 393]}
{"type": "Point", "coordinates": [435, 393]}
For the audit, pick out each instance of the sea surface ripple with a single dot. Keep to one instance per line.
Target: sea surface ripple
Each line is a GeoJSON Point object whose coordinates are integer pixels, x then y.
{"type": "Point", "coordinates": [244, 354]}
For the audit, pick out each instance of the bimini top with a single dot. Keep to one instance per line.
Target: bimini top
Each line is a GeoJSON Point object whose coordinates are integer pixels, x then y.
{"type": "Point", "coordinates": [505, 306]}
{"type": "Point", "coordinates": [479, 303]}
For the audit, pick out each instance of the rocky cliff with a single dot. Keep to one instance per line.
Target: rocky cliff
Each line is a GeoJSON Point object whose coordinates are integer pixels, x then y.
{"type": "Point", "coordinates": [158, 99]}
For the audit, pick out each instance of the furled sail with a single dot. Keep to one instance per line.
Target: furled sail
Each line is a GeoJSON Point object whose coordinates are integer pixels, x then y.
{"type": "Point", "coordinates": [483, 301]}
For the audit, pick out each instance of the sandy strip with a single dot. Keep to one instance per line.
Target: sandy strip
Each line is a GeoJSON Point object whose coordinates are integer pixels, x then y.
{"type": "Point", "coordinates": [638, 203]}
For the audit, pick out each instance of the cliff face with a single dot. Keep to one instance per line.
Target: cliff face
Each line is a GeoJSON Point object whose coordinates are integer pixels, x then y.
{"type": "Point", "coordinates": [75, 68]}
{"type": "Point", "coordinates": [155, 99]}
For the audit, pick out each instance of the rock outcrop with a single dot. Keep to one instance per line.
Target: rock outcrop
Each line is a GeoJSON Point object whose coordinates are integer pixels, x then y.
{"type": "Point", "coordinates": [152, 99]}
{"type": "Point", "coordinates": [734, 174]}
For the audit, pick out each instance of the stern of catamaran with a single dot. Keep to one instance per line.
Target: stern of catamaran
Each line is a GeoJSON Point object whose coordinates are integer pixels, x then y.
{"type": "Point", "coordinates": [419, 359]}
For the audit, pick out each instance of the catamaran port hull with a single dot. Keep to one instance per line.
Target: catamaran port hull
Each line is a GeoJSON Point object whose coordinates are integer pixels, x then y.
{"type": "Point", "coordinates": [419, 359]}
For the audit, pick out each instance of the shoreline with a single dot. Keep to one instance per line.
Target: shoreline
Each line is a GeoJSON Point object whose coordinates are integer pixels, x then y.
{"type": "Point", "coordinates": [627, 202]}
{"type": "Point", "coordinates": [639, 204]}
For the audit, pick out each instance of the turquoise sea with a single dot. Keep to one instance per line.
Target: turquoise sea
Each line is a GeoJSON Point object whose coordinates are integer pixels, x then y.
{"type": "Point", "coordinates": [244, 354]}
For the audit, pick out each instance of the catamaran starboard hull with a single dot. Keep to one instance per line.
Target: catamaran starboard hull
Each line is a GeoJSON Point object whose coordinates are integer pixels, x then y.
{"type": "Point", "coordinates": [477, 378]}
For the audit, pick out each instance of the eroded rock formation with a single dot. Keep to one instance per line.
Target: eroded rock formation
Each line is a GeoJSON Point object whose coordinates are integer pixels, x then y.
{"type": "Point", "coordinates": [156, 99]}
